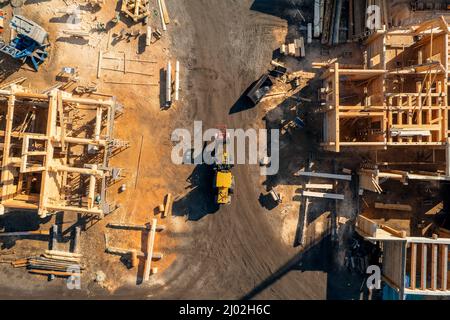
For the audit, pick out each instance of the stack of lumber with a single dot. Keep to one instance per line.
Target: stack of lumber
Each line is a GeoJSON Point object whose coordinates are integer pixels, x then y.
{"type": "Point", "coordinates": [295, 49]}
{"type": "Point", "coordinates": [52, 262]}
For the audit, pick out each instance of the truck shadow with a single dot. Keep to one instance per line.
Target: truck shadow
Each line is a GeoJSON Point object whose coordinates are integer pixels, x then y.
{"type": "Point", "coordinates": [200, 199]}
{"type": "Point", "coordinates": [243, 103]}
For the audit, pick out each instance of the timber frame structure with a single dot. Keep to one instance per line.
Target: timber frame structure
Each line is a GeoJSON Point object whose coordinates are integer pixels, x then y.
{"type": "Point", "coordinates": [396, 104]}
{"type": "Point", "coordinates": [135, 9]}
{"type": "Point", "coordinates": [410, 265]}
{"type": "Point", "coordinates": [55, 151]}
{"type": "Point", "coordinates": [398, 97]}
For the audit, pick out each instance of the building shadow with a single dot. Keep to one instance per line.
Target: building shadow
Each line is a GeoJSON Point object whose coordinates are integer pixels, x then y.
{"type": "Point", "coordinates": [341, 284]}
{"type": "Point", "coordinates": [21, 221]}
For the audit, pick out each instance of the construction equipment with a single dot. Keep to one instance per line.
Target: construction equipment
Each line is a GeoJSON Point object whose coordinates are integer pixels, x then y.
{"type": "Point", "coordinates": [223, 178]}
{"type": "Point", "coordinates": [260, 89]}
{"type": "Point", "coordinates": [277, 197]}
{"type": "Point", "coordinates": [30, 43]}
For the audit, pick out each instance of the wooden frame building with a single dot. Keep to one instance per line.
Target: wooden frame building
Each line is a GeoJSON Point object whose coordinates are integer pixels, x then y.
{"type": "Point", "coordinates": [55, 151]}
{"type": "Point", "coordinates": [398, 98]}
{"type": "Point", "coordinates": [410, 265]}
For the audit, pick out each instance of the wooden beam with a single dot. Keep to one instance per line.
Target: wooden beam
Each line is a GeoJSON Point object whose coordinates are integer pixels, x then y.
{"type": "Point", "coordinates": [319, 186]}
{"type": "Point", "coordinates": [323, 195]}
{"type": "Point", "coordinates": [167, 206]}
{"type": "Point", "coordinates": [324, 175]}
{"type": "Point", "coordinates": [336, 105]}
{"type": "Point", "coordinates": [436, 209]}
{"type": "Point", "coordinates": [150, 244]}
{"type": "Point", "coordinates": [394, 232]}
{"type": "Point", "coordinates": [165, 12]}
{"type": "Point", "coordinates": [7, 176]}
{"type": "Point", "coordinates": [392, 206]}
{"type": "Point", "coordinates": [61, 120]}
{"type": "Point", "coordinates": [360, 114]}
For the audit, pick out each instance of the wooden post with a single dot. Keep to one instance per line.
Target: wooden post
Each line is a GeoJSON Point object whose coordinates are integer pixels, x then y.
{"type": "Point", "coordinates": [162, 16]}
{"type": "Point", "coordinates": [169, 85]}
{"type": "Point", "coordinates": [413, 265]}
{"type": "Point", "coordinates": [447, 158]}
{"type": "Point", "coordinates": [423, 271]}
{"type": "Point", "coordinates": [336, 105]}
{"type": "Point", "coordinates": [434, 265]}
{"type": "Point", "coordinates": [444, 266]}
{"type": "Point", "coordinates": [177, 80]}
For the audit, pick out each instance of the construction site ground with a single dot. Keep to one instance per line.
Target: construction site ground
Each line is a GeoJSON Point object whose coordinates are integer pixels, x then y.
{"type": "Point", "coordinates": [243, 250]}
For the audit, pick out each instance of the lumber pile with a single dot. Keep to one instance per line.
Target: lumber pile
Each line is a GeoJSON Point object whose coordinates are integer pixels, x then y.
{"type": "Point", "coordinates": [294, 49]}
{"type": "Point", "coordinates": [52, 262]}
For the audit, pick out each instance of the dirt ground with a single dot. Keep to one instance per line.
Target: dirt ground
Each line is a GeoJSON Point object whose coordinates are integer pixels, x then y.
{"type": "Point", "coordinates": [243, 250]}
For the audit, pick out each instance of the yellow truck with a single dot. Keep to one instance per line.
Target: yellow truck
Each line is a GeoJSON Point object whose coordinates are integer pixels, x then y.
{"type": "Point", "coordinates": [223, 178]}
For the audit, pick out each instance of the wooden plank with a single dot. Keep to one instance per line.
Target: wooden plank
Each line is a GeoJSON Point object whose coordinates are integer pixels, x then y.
{"type": "Point", "coordinates": [55, 273]}
{"type": "Point", "coordinates": [319, 186]}
{"type": "Point", "coordinates": [61, 120]}
{"type": "Point", "coordinates": [413, 266]}
{"type": "Point", "coordinates": [324, 175]}
{"type": "Point", "coordinates": [150, 244]}
{"type": "Point", "coordinates": [7, 176]}
{"type": "Point", "coordinates": [394, 232]}
{"type": "Point", "coordinates": [392, 206]}
{"type": "Point", "coordinates": [323, 195]}
{"type": "Point", "coordinates": [165, 12]}
{"type": "Point", "coordinates": [423, 269]}
{"type": "Point", "coordinates": [148, 37]}
{"type": "Point", "coordinates": [63, 253]}
{"type": "Point", "coordinates": [436, 209]}
{"type": "Point", "coordinates": [163, 23]}
{"type": "Point", "coordinates": [99, 64]}
{"type": "Point", "coordinates": [167, 206]}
